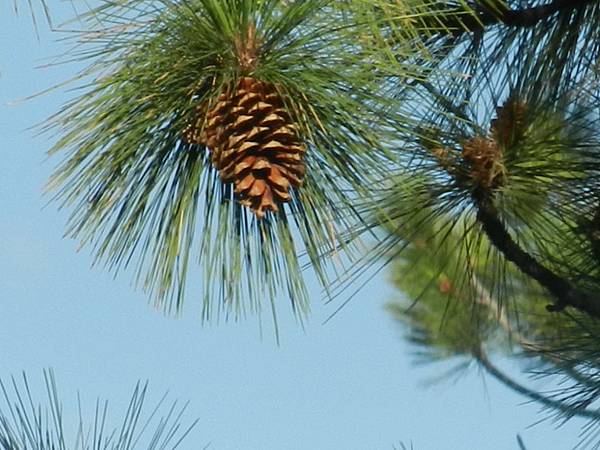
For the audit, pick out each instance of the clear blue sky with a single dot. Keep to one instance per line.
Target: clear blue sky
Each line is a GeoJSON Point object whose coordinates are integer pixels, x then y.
{"type": "Point", "coordinates": [346, 385]}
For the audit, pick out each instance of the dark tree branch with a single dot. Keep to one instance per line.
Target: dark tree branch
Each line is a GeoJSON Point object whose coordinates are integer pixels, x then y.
{"type": "Point", "coordinates": [531, 16]}
{"type": "Point", "coordinates": [570, 411]}
{"type": "Point", "coordinates": [564, 292]}
{"type": "Point", "coordinates": [518, 18]}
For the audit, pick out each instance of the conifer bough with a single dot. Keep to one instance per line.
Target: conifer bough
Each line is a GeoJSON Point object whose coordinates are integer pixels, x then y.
{"type": "Point", "coordinates": [485, 157]}
{"type": "Point", "coordinates": [262, 120]}
{"type": "Point", "coordinates": [508, 130]}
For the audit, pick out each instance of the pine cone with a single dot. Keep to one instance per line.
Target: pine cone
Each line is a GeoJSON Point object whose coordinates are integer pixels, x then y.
{"type": "Point", "coordinates": [253, 144]}
{"type": "Point", "coordinates": [510, 124]}
{"type": "Point", "coordinates": [485, 157]}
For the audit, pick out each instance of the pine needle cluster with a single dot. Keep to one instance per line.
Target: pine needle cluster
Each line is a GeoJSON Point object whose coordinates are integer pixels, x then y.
{"type": "Point", "coordinates": [141, 191]}
{"type": "Point", "coordinates": [28, 423]}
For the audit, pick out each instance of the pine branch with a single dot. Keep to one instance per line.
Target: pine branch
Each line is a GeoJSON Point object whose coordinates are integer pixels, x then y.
{"type": "Point", "coordinates": [145, 186]}
{"type": "Point", "coordinates": [480, 355]}
{"type": "Point", "coordinates": [565, 293]}
{"type": "Point", "coordinates": [518, 18]}
{"type": "Point", "coordinates": [487, 300]}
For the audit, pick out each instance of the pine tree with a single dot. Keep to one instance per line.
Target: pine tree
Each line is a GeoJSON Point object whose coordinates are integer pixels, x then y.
{"type": "Point", "coordinates": [249, 132]}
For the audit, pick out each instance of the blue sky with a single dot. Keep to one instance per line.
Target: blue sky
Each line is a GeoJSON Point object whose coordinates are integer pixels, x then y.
{"type": "Point", "coordinates": [347, 385]}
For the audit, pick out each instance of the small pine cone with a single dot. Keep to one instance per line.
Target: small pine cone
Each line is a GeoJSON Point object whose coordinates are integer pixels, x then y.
{"type": "Point", "coordinates": [253, 144]}
{"type": "Point", "coordinates": [510, 123]}
{"type": "Point", "coordinates": [485, 157]}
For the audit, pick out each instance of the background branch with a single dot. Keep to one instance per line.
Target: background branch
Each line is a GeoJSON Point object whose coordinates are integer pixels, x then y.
{"type": "Point", "coordinates": [480, 355]}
